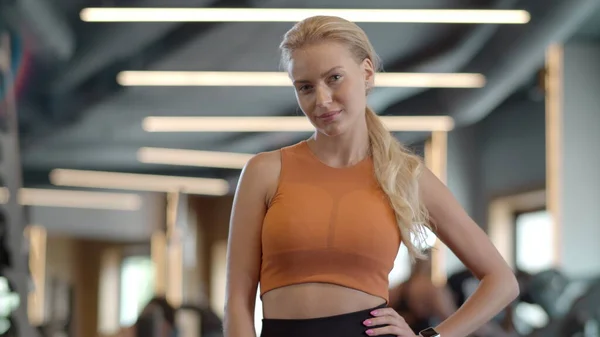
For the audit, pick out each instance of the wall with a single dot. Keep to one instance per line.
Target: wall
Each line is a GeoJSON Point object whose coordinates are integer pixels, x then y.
{"type": "Point", "coordinates": [463, 175]}
{"type": "Point", "coordinates": [501, 155]}
{"type": "Point", "coordinates": [60, 256]}
{"type": "Point", "coordinates": [213, 227]}
{"type": "Point", "coordinates": [513, 148]}
{"type": "Point", "coordinates": [580, 143]}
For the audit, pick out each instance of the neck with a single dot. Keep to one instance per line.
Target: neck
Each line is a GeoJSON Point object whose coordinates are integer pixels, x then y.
{"type": "Point", "coordinates": [342, 150]}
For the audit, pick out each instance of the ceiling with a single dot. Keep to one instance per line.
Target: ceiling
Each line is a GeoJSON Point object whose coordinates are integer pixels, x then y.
{"type": "Point", "coordinates": [73, 114]}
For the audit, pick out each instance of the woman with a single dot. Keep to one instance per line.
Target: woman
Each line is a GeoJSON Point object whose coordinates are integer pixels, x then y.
{"type": "Point", "coordinates": [319, 223]}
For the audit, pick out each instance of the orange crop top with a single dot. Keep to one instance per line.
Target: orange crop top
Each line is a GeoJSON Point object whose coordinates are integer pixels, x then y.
{"type": "Point", "coordinates": [328, 225]}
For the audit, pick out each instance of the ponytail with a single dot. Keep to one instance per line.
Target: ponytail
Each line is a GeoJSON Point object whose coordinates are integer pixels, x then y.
{"type": "Point", "coordinates": [397, 170]}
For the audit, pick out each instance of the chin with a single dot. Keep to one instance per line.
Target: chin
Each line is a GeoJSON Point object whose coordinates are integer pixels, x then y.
{"type": "Point", "coordinates": [331, 130]}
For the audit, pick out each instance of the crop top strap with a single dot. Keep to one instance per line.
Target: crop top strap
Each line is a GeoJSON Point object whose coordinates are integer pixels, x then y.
{"type": "Point", "coordinates": [294, 158]}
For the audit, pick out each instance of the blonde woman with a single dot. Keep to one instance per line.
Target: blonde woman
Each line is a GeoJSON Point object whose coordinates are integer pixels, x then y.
{"type": "Point", "coordinates": [318, 224]}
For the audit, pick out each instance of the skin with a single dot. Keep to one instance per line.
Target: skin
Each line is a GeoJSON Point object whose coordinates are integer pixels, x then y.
{"type": "Point", "coordinates": [327, 78]}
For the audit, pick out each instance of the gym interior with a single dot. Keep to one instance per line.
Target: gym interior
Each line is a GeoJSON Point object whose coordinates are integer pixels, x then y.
{"type": "Point", "coordinates": [123, 134]}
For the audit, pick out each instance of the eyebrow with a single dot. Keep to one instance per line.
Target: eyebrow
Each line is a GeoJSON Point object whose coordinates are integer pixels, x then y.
{"type": "Point", "coordinates": [322, 74]}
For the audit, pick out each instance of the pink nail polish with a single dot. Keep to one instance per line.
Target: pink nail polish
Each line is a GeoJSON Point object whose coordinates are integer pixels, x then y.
{"type": "Point", "coordinates": [374, 312]}
{"type": "Point", "coordinates": [369, 332]}
{"type": "Point", "coordinates": [367, 322]}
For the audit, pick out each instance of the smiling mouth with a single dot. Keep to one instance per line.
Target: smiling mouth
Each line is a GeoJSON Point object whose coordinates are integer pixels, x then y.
{"type": "Point", "coordinates": [329, 114]}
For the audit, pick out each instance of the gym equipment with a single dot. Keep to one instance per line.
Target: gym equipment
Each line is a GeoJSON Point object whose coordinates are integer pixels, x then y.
{"type": "Point", "coordinates": [584, 317]}
{"type": "Point", "coordinates": [546, 289]}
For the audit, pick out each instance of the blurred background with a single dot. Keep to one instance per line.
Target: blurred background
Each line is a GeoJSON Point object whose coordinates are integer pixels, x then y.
{"type": "Point", "coordinates": [123, 132]}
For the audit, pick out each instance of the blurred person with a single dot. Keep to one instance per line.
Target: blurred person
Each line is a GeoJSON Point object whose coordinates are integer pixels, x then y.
{"type": "Point", "coordinates": [419, 301]}
{"type": "Point", "coordinates": [318, 224]}
{"type": "Point", "coordinates": [210, 323]}
{"type": "Point", "coordinates": [144, 325]}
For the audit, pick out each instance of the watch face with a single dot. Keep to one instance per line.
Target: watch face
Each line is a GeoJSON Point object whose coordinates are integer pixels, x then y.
{"type": "Point", "coordinates": [429, 332]}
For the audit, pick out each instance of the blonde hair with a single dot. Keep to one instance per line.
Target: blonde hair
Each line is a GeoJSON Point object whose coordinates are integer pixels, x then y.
{"type": "Point", "coordinates": [396, 169]}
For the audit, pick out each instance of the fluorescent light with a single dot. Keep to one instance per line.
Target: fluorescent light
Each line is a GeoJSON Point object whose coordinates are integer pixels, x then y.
{"type": "Point", "coordinates": [138, 182]}
{"type": "Point", "coordinates": [122, 14]}
{"type": "Point", "coordinates": [152, 155]}
{"type": "Point", "coordinates": [79, 199]}
{"type": "Point", "coordinates": [74, 199]}
{"type": "Point", "coordinates": [283, 124]}
{"type": "Point", "coordinates": [281, 79]}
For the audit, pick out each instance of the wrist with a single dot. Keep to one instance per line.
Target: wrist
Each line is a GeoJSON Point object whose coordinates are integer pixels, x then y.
{"type": "Point", "coordinates": [429, 332]}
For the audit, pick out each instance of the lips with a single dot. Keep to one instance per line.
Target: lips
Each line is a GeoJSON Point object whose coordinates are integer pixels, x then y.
{"type": "Point", "coordinates": [329, 114]}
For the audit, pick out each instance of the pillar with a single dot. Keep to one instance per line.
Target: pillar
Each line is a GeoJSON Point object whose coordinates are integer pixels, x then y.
{"type": "Point", "coordinates": [573, 155]}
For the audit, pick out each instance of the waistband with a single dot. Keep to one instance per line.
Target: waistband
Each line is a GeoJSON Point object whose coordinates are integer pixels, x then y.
{"type": "Point", "coordinates": [344, 325]}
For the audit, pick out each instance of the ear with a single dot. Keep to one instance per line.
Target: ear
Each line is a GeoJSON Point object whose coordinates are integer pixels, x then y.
{"type": "Point", "coordinates": [369, 71]}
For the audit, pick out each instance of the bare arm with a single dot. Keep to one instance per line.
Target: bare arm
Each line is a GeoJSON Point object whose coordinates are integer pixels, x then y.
{"type": "Point", "coordinates": [244, 244]}
{"type": "Point", "coordinates": [498, 286]}
{"type": "Point", "coordinates": [444, 307]}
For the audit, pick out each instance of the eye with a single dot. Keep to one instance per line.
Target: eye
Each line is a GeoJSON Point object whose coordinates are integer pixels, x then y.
{"type": "Point", "coordinates": [336, 77]}
{"type": "Point", "coordinates": [304, 88]}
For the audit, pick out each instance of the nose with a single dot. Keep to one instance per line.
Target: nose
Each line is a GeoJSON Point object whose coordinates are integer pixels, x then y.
{"type": "Point", "coordinates": [323, 96]}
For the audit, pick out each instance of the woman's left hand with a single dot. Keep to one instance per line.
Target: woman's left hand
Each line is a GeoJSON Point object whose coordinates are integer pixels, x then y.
{"type": "Point", "coordinates": [390, 322]}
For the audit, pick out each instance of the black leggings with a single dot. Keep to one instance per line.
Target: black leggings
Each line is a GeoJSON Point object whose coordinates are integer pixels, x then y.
{"type": "Point", "coordinates": [346, 325]}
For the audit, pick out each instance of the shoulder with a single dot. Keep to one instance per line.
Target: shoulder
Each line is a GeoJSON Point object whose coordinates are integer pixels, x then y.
{"type": "Point", "coordinates": [261, 174]}
{"type": "Point", "coordinates": [263, 164]}
{"type": "Point", "coordinates": [270, 162]}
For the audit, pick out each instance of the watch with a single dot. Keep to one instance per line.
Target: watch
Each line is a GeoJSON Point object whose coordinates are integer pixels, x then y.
{"type": "Point", "coordinates": [429, 332]}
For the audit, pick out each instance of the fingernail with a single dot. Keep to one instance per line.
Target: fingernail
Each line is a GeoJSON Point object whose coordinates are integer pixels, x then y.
{"type": "Point", "coordinates": [367, 322]}
{"type": "Point", "coordinates": [369, 332]}
{"type": "Point", "coordinates": [374, 312]}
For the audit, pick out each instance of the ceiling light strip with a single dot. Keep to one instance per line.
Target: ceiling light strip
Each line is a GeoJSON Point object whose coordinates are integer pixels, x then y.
{"type": "Point", "coordinates": [75, 199]}
{"type": "Point", "coordinates": [283, 124]}
{"type": "Point", "coordinates": [281, 79]}
{"type": "Point", "coordinates": [152, 155]}
{"type": "Point", "coordinates": [138, 182]}
{"type": "Point", "coordinates": [449, 16]}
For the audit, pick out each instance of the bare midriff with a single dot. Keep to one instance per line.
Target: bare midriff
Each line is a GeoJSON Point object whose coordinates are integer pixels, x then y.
{"type": "Point", "coordinates": [313, 300]}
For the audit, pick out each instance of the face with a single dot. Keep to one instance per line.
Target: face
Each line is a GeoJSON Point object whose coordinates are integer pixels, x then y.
{"type": "Point", "coordinates": [331, 86]}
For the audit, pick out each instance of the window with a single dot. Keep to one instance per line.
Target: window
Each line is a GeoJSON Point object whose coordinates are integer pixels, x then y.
{"type": "Point", "coordinates": [534, 252]}
{"type": "Point", "coordinates": [534, 241]}
{"type": "Point", "coordinates": [137, 287]}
